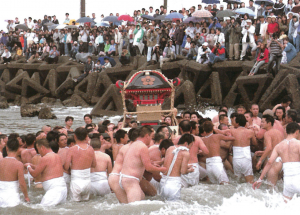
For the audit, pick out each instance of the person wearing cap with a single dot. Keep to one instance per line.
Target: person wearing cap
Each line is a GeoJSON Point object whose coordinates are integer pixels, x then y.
{"type": "Point", "coordinates": [67, 19]}
{"type": "Point", "coordinates": [151, 41]}
{"type": "Point", "coordinates": [178, 38]}
{"type": "Point", "coordinates": [235, 31]}
{"type": "Point", "coordinates": [138, 39]}
{"type": "Point", "coordinates": [168, 53]}
{"type": "Point", "coordinates": [217, 54]}
{"type": "Point", "coordinates": [74, 51]}
{"type": "Point", "coordinates": [91, 48]}
{"type": "Point", "coordinates": [248, 38]}
{"type": "Point", "coordinates": [251, 7]}
{"type": "Point", "coordinates": [55, 21]}
{"type": "Point", "coordinates": [203, 54]}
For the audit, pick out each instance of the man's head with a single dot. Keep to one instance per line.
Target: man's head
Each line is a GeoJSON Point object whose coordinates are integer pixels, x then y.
{"type": "Point", "coordinates": [254, 110]}
{"type": "Point", "coordinates": [185, 126]}
{"type": "Point", "coordinates": [280, 113]}
{"type": "Point", "coordinates": [248, 116]}
{"type": "Point", "coordinates": [293, 128]}
{"type": "Point", "coordinates": [187, 115]}
{"type": "Point", "coordinates": [186, 140]}
{"type": "Point", "coordinates": [95, 143]}
{"type": "Point", "coordinates": [164, 129]}
{"type": "Point", "coordinates": [81, 134]}
{"type": "Point", "coordinates": [12, 145]}
{"type": "Point", "coordinates": [286, 101]}
{"type": "Point", "coordinates": [240, 120]}
{"type": "Point", "coordinates": [133, 134]}
{"type": "Point", "coordinates": [121, 136]}
{"type": "Point", "coordinates": [158, 137]}
{"type": "Point", "coordinates": [46, 129]}
{"type": "Point", "coordinates": [267, 121]}
{"type": "Point", "coordinates": [223, 118]}
{"type": "Point", "coordinates": [164, 145]}
{"type": "Point", "coordinates": [88, 119]}
{"type": "Point", "coordinates": [168, 120]}
{"type": "Point", "coordinates": [146, 133]}
{"type": "Point", "coordinates": [30, 139]}
{"type": "Point", "coordinates": [69, 121]}
{"type": "Point", "coordinates": [62, 140]}
{"type": "Point", "coordinates": [208, 127]}
{"type": "Point", "coordinates": [291, 116]}
{"type": "Point", "coordinates": [241, 109]}
{"type": "Point", "coordinates": [43, 146]}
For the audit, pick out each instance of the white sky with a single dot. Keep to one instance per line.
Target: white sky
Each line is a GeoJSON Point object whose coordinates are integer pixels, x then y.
{"type": "Point", "coordinates": [38, 8]}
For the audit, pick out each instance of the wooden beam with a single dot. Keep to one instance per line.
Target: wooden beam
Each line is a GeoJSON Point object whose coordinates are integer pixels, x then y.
{"type": "Point", "coordinates": [82, 8]}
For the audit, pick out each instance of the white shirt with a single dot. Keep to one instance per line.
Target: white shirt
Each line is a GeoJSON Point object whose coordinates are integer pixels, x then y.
{"type": "Point", "coordinates": [84, 36]}
{"type": "Point", "coordinates": [219, 38]}
{"type": "Point", "coordinates": [190, 32]}
{"type": "Point", "coordinates": [30, 25]}
{"type": "Point", "coordinates": [187, 45]}
{"type": "Point", "coordinates": [6, 54]}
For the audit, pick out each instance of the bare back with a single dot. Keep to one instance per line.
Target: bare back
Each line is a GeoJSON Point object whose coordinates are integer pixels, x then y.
{"type": "Point", "coordinates": [213, 145]}
{"type": "Point", "coordinates": [103, 162]}
{"type": "Point", "coordinates": [120, 158]}
{"type": "Point", "coordinates": [50, 167]}
{"type": "Point", "coordinates": [27, 155]}
{"type": "Point", "coordinates": [115, 150]}
{"type": "Point", "coordinates": [154, 153]}
{"type": "Point", "coordinates": [36, 161]}
{"type": "Point", "coordinates": [80, 156]}
{"type": "Point", "coordinates": [10, 169]}
{"type": "Point", "coordinates": [242, 136]}
{"type": "Point", "coordinates": [288, 152]}
{"type": "Point", "coordinates": [274, 136]}
{"type": "Point", "coordinates": [181, 162]}
{"type": "Point", "coordinates": [194, 150]}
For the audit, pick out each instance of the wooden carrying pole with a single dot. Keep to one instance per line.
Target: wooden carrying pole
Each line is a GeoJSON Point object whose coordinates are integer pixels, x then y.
{"type": "Point", "coordinates": [82, 8]}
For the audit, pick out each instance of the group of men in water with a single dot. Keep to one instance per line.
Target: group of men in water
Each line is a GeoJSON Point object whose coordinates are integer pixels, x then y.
{"type": "Point", "coordinates": [104, 158]}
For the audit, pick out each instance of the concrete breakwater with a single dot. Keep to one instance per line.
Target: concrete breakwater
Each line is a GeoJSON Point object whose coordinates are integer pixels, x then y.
{"type": "Point", "coordinates": [226, 83]}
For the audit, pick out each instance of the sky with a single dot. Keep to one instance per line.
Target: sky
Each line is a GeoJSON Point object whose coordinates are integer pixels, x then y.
{"type": "Point", "coordinates": [38, 8]}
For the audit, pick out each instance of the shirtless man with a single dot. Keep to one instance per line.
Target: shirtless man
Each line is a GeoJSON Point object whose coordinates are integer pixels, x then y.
{"type": "Point", "coordinates": [288, 151]}
{"type": "Point", "coordinates": [11, 176]}
{"type": "Point", "coordinates": [136, 161]}
{"type": "Point", "coordinates": [176, 162]}
{"type": "Point", "coordinates": [242, 163]}
{"type": "Point", "coordinates": [2, 145]}
{"type": "Point", "coordinates": [214, 164]}
{"type": "Point", "coordinates": [241, 109]}
{"type": "Point", "coordinates": [250, 123]}
{"type": "Point", "coordinates": [80, 159]}
{"type": "Point", "coordinates": [114, 176]}
{"type": "Point", "coordinates": [255, 111]}
{"type": "Point", "coordinates": [69, 122]}
{"type": "Point", "coordinates": [62, 152]}
{"type": "Point", "coordinates": [37, 181]}
{"type": "Point", "coordinates": [88, 119]}
{"type": "Point", "coordinates": [221, 112]}
{"type": "Point", "coordinates": [192, 178]}
{"type": "Point", "coordinates": [286, 102]}
{"type": "Point", "coordinates": [99, 182]}
{"type": "Point", "coordinates": [51, 170]}
{"type": "Point", "coordinates": [271, 138]}
{"type": "Point", "coordinates": [46, 129]}
{"type": "Point", "coordinates": [28, 154]}
{"type": "Point", "coordinates": [122, 139]}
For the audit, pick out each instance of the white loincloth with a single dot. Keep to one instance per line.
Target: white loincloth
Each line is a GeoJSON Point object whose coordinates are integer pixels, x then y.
{"type": "Point", "coordinates": [56, 192]}
{"type": "Point", "coordinates": [99, 184]}
{"type": "Point", "coordinates": [170, 187]}
{"type": "Point", "coordinates": [80, 184]}
{"type": "Point", "coordinates": [9, 193]}
{"type": "Point", "coordinates": [242, 163]}
{"type": "Point", "coordinates": [215, 170]}
{"type": "Point", "coordinates": [202, 172]}
{"type": "Point", "coordinates": [156, 184]}
{"type": "Point", "coordinates": [67, 178]}
{"type": "Point", "coordinates": [192, 178]}
{"type": "Point", "coordinates": [291, 178]}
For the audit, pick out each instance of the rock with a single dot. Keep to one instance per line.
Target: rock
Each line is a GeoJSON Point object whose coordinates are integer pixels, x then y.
{"type": "Point", "coordinates": [3, 103]}
{"type": "Point", "coordinates": [48, 101]}
{"type": "Point", "coordinates": [29, 110]}
{"type": "Point", "coordinates": [45, 113]}
{"type": "Point", "coordinates": [75, 101]}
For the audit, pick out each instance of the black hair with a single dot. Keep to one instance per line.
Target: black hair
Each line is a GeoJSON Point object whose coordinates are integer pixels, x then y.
{"type": "Point", "coordinates": [193, 125]}
{"type": "Point", "coordinates": [283, 110]}
{"type": "Point", "coordinates": [95, 143]}
{"type": "Point", "coordinates": [52, 136]}
{"type": "Point", "coordinates": [286, 99]}
{"type": "Point", "coordinates": [208, 126]}
{"type": "Point", "coordinates": [292, 127]}
{"type": "Point", "coordinates": [13, 136]}
{"type": "Point", "coordinates": [120, 134]}
{"type": "Point", "coordinates": [187, 112]}
{"type": "Point", "coordinates": [241, 120]}
{"type": "Point", "coordinates": [250, 113]}
{"type": "Point", "coordinates": [160, 128]}
{"type": "Point", "coordinates": [292, 114]}
{"type": "Point", "coordinates": [233, 115]}
{"type": "Point", "coordinates": [185, 125]}
{"type": "Point", "coordinates": [159, 136]}
{"type": "Point", "coordinates": [106, 122]}
{"type": "Point", "coordinates": [81, 133]}
{"type": "Point", "coordinates": [268, 119]}
{"type": "Point", "coordinates": [102, 128]}
{"type": "Point", "coordinates": [30, 139]}
{"type": "Point", "coordinates": [13, 145]}
{"type": "Point", "coordinates": [88, 115]}
{"type": "Point", "coordinates": [68, 118]}
{"type": "Point", "coordinates": [222, 116]}
{"type": "Point", "coordinates": [145, 130]}
{"type": "Point", "coordinates": [133, 134]}
{"type": "Point", "coordinates": [197, 114]}
{"type": "Point", "coordinates": [186, 138]}
{"type": "Point", "coordinates": [165, 144]}
{"type": "Point", "coordinates": [70, 140]}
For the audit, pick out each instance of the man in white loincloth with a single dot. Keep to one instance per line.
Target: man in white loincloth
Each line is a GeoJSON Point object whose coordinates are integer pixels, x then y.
{"type": "Point", "coordinates": [51, 171]}
{"type": "Point", "coordinates": [80, 159]}
{"type": "Point", "coordinates": [288, 151]}
{"type": "Point", "coordinates": [62, 152]}
{"type": "Point", "coordinates": [99, 182]}
{"type": "Point", "coordinates": [28, 153]}
{"type": "Point", "coordinates": [214, 165]}
{"type": "Point", "coordinates": [11, 176]}
{"type": "Point", "coordinates": [176, 162]}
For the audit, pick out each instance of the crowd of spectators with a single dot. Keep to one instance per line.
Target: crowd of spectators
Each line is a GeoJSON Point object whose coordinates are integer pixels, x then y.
{"type": "Point", "coordinates": [271, 37]}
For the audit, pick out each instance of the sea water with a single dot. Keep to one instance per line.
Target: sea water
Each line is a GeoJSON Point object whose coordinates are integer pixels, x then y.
{"type": "Point", "coordinates": [234, 199]}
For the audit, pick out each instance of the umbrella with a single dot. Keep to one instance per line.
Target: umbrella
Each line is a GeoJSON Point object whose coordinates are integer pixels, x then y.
{"type": "Point", "coordinates": [84, 19]}
{"type": "Point", "coordinates": [102, 24]}
{"type": "Point", "coordinates": [71, 26]}
{"type": "Point", "coordinates": [49, 23]}
{"type": "Point", "coordinates": [147, 17]}
{"type": "Point", "coordinates": [174, 16]}
{"type": "Point", "coordinates": [161, 17]}
{"type": "Point", "coordinates": [296, 9]}
{"type": "Point", "coordinates": [59, 27]}
{"type": "Point", "coordinates": [233, 1]}
{"type": "Point", "coordinates": [191, 19]}
{"type": "Point", "coordinates": [225, 13]}
{"type": "Point", "coordinates": [267, 2]}
{"type": "Point", "coordinates": [211, 1]}
{"type": "Point", "coordinates": [125, 18]}
{"type": "Point", "coordinates": [202, 14]}
{"type": "Point", "coordinates": [22, 26]}
{"type": "Point", "coordinates": [245, 10]}
{"type": "Point", "coordinates": [52, 27]}
{"type": "Point", "coordinates": [110, 19]}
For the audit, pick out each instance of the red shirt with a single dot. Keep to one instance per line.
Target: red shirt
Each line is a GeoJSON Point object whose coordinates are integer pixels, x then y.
{"type": "Point", "coordinates": [273, 27]}
{"type": "Point", "coordinates": [219, 51]}
{"type": "Point", "coordinates": [265, 54]}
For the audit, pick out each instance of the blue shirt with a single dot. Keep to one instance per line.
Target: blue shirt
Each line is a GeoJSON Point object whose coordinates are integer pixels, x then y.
{"type": "Point", "coordinates": [52, 53]}
{"type": "Point", "coordinates": [112, 48]}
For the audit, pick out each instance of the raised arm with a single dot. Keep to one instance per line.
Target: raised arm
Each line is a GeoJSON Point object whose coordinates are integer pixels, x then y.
{"type": "Point", "coordinates": [147, 162]}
